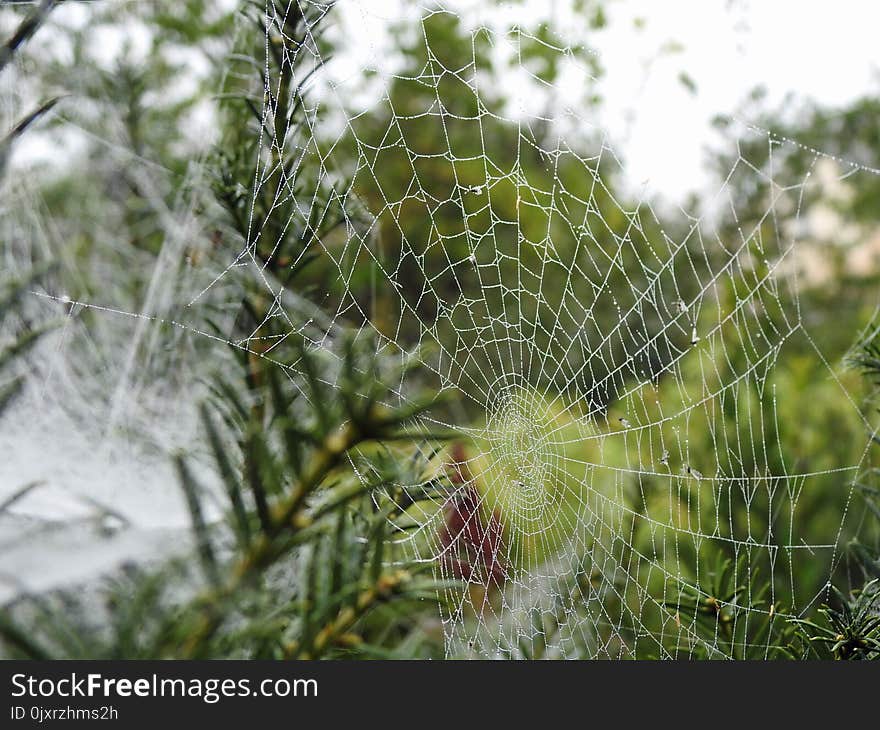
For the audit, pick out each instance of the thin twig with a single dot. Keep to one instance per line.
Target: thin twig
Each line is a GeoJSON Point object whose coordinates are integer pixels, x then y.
{"type": "Point", "coordinates": [30, 25]}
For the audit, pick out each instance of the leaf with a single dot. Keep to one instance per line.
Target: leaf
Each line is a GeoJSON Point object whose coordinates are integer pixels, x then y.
{"type": "Point", "coordinates": [229, 477]}
{"type": "Point", "coordinates": [191, 490]}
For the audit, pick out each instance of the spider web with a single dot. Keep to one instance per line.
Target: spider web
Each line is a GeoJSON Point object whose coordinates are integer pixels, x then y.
{"type": "Point", "coordinates": [608, 366]}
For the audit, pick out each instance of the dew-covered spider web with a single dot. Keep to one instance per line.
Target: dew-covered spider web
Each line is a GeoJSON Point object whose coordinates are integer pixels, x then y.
{"type": "Point", "coordinates": [609, 367]}
{"type": "Point", "coordinates": [609, 364]}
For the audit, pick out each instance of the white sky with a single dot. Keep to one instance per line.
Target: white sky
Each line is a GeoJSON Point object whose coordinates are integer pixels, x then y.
{"type": "Point", "coordinates": [827, 52]}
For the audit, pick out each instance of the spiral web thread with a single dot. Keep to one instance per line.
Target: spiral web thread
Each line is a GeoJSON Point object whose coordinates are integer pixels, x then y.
{"type": "Point", "coordinates": [588, 363]}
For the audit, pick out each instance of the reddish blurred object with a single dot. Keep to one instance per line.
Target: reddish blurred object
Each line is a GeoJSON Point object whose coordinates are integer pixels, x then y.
{"type": "Point", "coordinates": [472, 550]}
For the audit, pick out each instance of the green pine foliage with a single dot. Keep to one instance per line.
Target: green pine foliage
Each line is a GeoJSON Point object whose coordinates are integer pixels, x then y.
{"type": "Point", "coordinates": [303, 562]}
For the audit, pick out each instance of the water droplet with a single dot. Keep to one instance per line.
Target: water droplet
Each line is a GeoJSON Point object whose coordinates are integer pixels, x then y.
{"type": "Point", "coordinates": [110, 524]}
